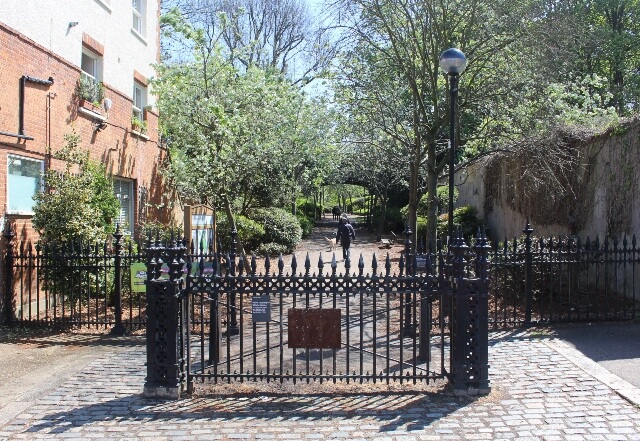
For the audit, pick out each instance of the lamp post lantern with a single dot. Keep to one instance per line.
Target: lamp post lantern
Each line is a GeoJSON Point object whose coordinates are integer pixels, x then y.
{"type": "Point", "coordinates": [452, 62]}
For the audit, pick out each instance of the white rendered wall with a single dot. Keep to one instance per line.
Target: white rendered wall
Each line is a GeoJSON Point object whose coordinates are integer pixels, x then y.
{"type": "Point", "coordinates": [109, 22]}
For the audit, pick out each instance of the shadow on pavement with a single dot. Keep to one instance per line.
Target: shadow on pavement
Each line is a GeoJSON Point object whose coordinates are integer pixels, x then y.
{"type": "Point", "coordinates": [418, 410]}
{"type": "Point", "coordinates": [603, 341]}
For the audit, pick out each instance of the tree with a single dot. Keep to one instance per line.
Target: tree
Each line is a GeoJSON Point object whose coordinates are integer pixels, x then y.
{"type": "Point", "coordinates": [270, 34]}
{"type": "Point", "coordinates": [239, 138]}
{"type": "Point", "coordinates": [398, 43]}
{"type": "Point", "coordinates": [75, 206]}
{"type": "Point", "coordinates": [75, 210]}
{"type": "Point", "coordinates": [573, 41]}
{"type": "Point", "coordinates": [376, 144]}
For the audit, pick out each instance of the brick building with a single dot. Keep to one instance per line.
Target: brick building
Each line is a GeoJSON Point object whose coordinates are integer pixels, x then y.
{"type": "Point", "coordinates": [54, 53]}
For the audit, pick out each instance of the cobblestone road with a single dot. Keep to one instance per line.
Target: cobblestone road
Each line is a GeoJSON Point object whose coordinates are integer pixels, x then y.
{"type": "Point", "coordinates": [538, 393]}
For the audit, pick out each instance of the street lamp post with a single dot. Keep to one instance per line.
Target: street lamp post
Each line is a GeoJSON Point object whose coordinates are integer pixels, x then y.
{"type": "Point", "coordinates": [452, 62]}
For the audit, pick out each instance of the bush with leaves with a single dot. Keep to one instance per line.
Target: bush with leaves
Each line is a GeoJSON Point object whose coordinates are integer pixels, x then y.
{"type": "Point", "coordinates": [359, 205]}
{"type": "Point", "coordinates": [394, 219]}
{"type": "Point", "coordinates": [465, 217]}
{"type": "Point", "coordinates": [306, 224]}
{"type": "Point", "coordinates": [309, 209]}
{"type": "Point", "coordinates": [280, 226]}
{"type": "Point", "coordinates": [421, 228]}
{"type": "Point", "coordinates": [74, 216]}
{"type": "Point", "coordinates": [250, 232]}
{"type": "Point", "coordinates": [271, 249]}
{"type": "Point", "coordinates": [75, 206]}
{"type": "Point", "coordinates": [442, 193]}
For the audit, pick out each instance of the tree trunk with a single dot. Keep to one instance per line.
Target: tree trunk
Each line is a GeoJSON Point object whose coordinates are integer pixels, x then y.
{"type": "Point", "coordinates": [383, 213]}
{"type": "Point", "coordinates": [232, 222]}
{"type": "Point", "coordinates": [413, 199]}
{"type": "Point", "coordinates": [432, 207]}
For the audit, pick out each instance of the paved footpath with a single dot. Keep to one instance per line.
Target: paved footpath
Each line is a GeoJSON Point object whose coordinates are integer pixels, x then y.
{"type": "Point", "coordinates": [538, 393]}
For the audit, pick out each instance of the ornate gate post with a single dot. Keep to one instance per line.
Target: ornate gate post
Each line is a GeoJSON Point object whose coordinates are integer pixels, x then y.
{"type": "Point", "coordinates": [164, 362]}
{"type": "Point", "coordinates": [469, 330]}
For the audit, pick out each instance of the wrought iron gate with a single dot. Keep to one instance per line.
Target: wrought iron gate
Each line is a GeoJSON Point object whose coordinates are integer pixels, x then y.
{"type": "Point", "coordinates": [313, 327]}
{"type": "Point", "coordinates": [233, 323]}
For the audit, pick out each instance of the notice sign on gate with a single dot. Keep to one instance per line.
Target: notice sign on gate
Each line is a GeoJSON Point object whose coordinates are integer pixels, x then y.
{"type": "Point", "coordinates": [314, 328]}
{"type": "Point", "coordinates": [261, 308]}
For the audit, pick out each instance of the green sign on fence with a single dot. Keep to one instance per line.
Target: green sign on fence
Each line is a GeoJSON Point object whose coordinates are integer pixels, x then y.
{"type": "Point", "coordinates": [138, 276]}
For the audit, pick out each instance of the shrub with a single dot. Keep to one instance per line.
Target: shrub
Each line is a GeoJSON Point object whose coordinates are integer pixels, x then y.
{"type": "Point", "coordinates": [421, 228]}
{"type": "Point", "coordinates": [394, 219]}
{"type": "Point", "coordinates": [465, 217]}
{"type": "Point", "coordinates": [309, 209]}
{"type": "Point", "coordinates": [443, 197]}
{"type": "Point", "coordinates": [442, 193]}
{"type": "Point", "coordinates": [280, 226]}
{"type": "Point", "coordinates": [306, 224]}
{"type": "Point", "coordinates": [162, 231]}
{"type": "Point", "coordinates": [271, 249]}
{"type": "Point", "coordinates": [358, 205]}
{"type": "Point", "coordinates": [74, 217]}
{"type": "Point", "coordinates": [76, 206]}
{"type": "Point", "coordinates": [250, 233]}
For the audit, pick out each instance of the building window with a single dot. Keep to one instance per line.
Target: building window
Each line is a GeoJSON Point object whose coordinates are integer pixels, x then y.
{"type": "Point", "coordinates": [91, 65]}
{"type": "Point", "coordinates": [139, 100]}
{"type": "Point", "coordinates": [91, 87]}
{"type": "Point", "coordinates": [123, 189]}
{"type": "Point", "coordinates": [138, 16]}
{"type": "Point", "coordinates": [24, 179]}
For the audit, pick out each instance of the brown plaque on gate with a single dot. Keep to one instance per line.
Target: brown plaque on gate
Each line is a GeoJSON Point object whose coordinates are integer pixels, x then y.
{"type": "Point", "coordinates": [314, 328]}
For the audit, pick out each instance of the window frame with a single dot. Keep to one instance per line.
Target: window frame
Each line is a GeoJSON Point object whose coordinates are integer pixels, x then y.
{"type": "Point", "coordinates": [96, 75]}
{"type": "Point", "coordinates": [39, 185]}
{"type": "Point", "coordinates": [138, 112]}
{"type": "Point", "coordinates": [128, 225]}
{"type": "Point", "coordinates": [138, 10]}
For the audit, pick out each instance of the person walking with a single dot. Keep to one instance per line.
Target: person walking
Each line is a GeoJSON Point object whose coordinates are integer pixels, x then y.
{"type": "Point", "coordinates": [345, 235]}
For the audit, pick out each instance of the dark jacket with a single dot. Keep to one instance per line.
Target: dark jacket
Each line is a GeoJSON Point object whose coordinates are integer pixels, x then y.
{"type": "Point", "coordinates": [345, 233]}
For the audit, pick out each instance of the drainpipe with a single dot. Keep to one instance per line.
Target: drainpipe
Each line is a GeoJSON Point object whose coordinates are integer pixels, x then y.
{"type": "Point", "coordinates": [23, 82]}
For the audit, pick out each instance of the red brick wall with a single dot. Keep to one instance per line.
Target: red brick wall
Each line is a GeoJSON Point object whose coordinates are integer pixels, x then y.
{"type": "Point", "coordinates": [50, 112]}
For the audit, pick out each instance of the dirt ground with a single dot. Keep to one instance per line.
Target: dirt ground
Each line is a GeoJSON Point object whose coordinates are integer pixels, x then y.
{"type": "Point", "coordinates": [365, 245]}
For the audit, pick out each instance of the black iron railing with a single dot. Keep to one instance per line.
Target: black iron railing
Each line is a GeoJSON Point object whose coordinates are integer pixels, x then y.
{"type": "Point", "coordinates": [228, 322]}
{"type": "Point", "coordinates": [563, 279]}
{"type": "Point", "coordinates": [531, 280]}
{"type": "Point", "coordinates": [73, 284]}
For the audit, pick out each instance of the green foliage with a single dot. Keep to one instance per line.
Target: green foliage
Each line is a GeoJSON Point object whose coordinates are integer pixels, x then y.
{"type": "Point", "coordinates": [443, 200]}
{"type": "Point", "coordinates": [394, 219]}
{"type": "Point", "coordinates": [464, 217]}
{"type": "Point", "coordinates": [89, 89]}
{"type": "Point", "coordinates": [74, 215]}
{"type": "Point", "coordinates": [162, 231]}
{"type": "Point", "coordinates": [582, 102]}
{"type": "Point", "coordinates": [280, 226]}
{"type": "Point", "coordinates": [421, 228]}
{"type": "Point", "coordinates": [75, 206]}
{"type": "Point", "coordinates": [138, 124]}
{"type": "Point", "coordinates": [307, 213]}
{"type": "Point", "coordinates": [246, 134]}
{"type": "Point", "coordinates": [272, 249]}
{"type": "Point", "coordinates": [358, 205]}
{"type": "Point", "coordinates": [250, 232]}
{"type": "Point", "coordinates": [306, 224]}
{"type": "Point", "coordinates": [308, 208]}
